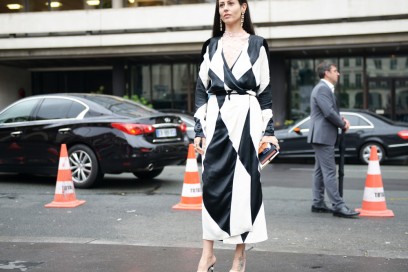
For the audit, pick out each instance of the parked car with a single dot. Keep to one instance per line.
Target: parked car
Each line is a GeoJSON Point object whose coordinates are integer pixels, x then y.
{"type": "Point", "coordinates": [104, 134]}
{"type": "Point", "coordinates": [366, 129]}
{"type": "Point", "coordinates": [187, 118]}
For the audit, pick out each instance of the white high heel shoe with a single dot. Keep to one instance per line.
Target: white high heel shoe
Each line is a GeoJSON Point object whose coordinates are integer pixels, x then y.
{"type": "Point", "coordinates": [210, 269]}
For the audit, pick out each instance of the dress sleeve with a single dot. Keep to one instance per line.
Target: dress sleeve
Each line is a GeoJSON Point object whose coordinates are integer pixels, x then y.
{"type": "Point", "coordinates": [201, 96]}
{"type": "Point", "coordinates": [264, 93]}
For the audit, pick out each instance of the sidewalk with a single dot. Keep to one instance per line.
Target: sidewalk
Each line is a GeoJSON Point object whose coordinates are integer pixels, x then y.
{"type": "Point", "coordinates": [48, 257]}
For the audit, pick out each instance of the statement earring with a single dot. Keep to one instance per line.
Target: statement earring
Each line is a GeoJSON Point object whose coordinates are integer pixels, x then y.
{"type": "Point", "coordinates": [242, 19]}
{"type": "Point", "coordinates": [220, 25]}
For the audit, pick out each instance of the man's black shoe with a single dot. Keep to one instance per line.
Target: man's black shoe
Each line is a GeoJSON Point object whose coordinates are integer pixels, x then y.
{"type": "Point", "coordinates": [321, 208]}
{"type": "Point", "coordinates": [345, 212]}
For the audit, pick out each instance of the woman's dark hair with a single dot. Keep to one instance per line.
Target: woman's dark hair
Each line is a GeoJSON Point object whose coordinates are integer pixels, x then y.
{"type": "Point", "coordinates": [247, 26]}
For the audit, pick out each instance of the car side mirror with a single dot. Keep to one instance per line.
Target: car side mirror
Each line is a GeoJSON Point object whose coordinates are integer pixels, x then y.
{"type": "Point", "coordinates": [297, 130]}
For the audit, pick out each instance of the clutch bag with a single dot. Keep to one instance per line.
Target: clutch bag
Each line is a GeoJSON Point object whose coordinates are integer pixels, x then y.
{"type": "Point", "coordinates": [266, 153]}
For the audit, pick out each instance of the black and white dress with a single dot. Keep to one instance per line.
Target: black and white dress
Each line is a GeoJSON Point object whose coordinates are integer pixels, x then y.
{"type": "Point", "coordinates": [233, 112]}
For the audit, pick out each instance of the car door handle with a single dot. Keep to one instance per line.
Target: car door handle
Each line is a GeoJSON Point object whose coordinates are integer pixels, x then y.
{"type": "Point", "coordinates": [64, 130]}
{"type": "Point", "coordinates": [16, 133]}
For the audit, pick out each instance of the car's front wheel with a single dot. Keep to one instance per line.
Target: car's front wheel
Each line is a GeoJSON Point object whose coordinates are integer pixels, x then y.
{"type": "Point", "coordinates": [84, 166]}
{"type": "Point", "coordinates": [148, 174]}
{"type": "Point", "coordinates": [365, 151]}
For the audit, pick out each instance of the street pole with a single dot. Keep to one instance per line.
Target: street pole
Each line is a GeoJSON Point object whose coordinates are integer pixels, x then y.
{"type": "Point", "coordinates": [341, 162]}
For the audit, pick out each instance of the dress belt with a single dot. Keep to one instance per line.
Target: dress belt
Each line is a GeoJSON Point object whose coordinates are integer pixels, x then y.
{"type": "Point", "coordinates": [229, 92]}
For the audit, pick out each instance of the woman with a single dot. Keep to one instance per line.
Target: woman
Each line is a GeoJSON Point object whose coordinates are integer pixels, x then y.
{"type": "Point", "coordinates": [233, 118]}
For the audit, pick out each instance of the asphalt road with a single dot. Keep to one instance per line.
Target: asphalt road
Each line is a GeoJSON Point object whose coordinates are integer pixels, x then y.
{"type": "Point", "coordinates": [129, 225]}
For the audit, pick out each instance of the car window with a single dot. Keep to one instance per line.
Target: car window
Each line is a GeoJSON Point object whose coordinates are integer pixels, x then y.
{"type": "Point", "coordinates": [122, 106]}
{"type": "Point", "coordinates": [356, 121]}
{"type": "Point", "coordinates": [19, 112]}
{"type": "Point", "coordinates": [75, 110]}
{"type": "Point", "coordinates": [58, 108]}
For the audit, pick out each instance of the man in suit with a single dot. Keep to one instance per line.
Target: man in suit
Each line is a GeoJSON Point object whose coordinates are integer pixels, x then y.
{"type": "Point", "coordinates": [325, 120]}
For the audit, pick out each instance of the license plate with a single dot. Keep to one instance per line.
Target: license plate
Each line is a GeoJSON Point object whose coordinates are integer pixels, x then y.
{"type": "Point", "coordinates": [166, 132]}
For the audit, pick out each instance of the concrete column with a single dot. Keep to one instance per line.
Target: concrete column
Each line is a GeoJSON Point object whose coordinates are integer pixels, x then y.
{"type": "Point", "coordinates": [279, 90]}
{"type": "Point", "coordinates": [118, 79]}
{"type": "Point", "coordinates": [15, 83]}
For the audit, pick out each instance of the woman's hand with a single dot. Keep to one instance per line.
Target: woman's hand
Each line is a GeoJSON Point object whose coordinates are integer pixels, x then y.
{"type": "Point", "coordinates": [197, 142]}
{"type": "Point", "coordinates": [270, 139]}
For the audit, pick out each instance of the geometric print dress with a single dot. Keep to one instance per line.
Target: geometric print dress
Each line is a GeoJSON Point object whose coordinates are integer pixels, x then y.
{"type": "Point", "coordinates": [233, 112]}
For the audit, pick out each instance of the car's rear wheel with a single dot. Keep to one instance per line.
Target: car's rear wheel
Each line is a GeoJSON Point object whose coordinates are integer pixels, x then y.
{"type": "Point", "coordinates": [148, 174]}
{"type": "Point", "coordinates": [84, 166]}
{"type": "Point", "coordinates": [366, 150]}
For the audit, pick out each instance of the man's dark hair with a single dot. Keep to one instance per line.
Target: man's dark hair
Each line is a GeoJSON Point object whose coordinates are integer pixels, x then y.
{"type": "Point", "coordinates": [323, 67]}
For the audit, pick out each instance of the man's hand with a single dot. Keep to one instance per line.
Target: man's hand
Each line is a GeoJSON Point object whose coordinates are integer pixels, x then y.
{"type": "Point", "coordinates": [346, 124]}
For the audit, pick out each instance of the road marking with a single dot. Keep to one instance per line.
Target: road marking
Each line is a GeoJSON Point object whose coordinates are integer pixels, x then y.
{"type": "Point", "coordinates": [302, 169]}
{"type": "Point", "coordinates": [21, 265]}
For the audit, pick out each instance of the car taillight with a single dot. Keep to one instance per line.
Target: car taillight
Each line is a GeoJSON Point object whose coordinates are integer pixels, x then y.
{"type": "Point", "coordinates": [403, 134]}
{"type": "Point", "coordinates": [183, 127]}
{"type": "Point", "coordinates": [134, 129]}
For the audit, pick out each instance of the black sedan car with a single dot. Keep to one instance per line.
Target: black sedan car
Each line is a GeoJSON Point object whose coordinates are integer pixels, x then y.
{"type": "Point", "coordinates": [366, 129]}
{"type": "Point", "coordinates": [103, 134]}
{"type": "Point", "coordinates": [187, 118]}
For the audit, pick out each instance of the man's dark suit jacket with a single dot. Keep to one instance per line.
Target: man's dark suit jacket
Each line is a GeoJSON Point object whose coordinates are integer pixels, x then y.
{"type": "Point", "coordinates": [325, 118]}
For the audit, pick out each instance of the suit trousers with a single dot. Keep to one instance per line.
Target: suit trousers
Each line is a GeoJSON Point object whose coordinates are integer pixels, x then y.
{"type": "Point", "coordinates": [325, 176]}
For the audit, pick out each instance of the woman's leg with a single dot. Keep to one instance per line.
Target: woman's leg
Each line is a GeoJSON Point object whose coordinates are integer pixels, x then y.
{"type": "Point", "coordinates": [238, 265]}
{"type": "Point", "coordinates": [207, 257]}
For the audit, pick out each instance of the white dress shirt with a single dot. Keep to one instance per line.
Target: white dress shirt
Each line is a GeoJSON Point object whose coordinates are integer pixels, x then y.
{"type": "Point", "coordinates": [329, 84]}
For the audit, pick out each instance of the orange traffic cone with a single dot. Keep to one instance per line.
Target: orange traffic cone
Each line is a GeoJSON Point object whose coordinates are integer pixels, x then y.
{"type": "Point", "coordinates": [374, 198]}
{"type": "Point", "coordinates": [64, 190]}
{"type": "Point", "coordinates": [191, 196]}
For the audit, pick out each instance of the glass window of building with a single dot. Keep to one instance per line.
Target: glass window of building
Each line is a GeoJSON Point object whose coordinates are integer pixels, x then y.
{"type": "Point", "coordinates": [346, 80]}
{"type": "Point", "coordinates": [165, 86]}
{"type": "Point", "coordinates": [359, 81]}
{"type": "Point", "coordinates": [180, 85]}
{"type": "Point", "coordinates": [346, 62]}
{"type": "Point", "coordinates": [140, 81]}
{"type": "Point", "coordinates": [378, 64]}
{"type": "Point", "coordinates": [393, 63]}
{"type": "Point", "coordinates": [183, 86]}
{"type": "Point", "coordinates": [387, 67]}
{"type": "Point", "coordinates": [302, 81]}
{"type": "Point", "coordinates": [161, 86]}
{"type": "Point", "coordinates": [401, 99]}
{"type": "Point", "coordinates": [349, 91]}
{"type": "Point", "coordinates": [386, 91]}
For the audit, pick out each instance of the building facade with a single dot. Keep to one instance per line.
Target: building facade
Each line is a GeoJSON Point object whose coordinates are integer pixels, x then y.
{"type": "Point", "coordinates": [151, 48]}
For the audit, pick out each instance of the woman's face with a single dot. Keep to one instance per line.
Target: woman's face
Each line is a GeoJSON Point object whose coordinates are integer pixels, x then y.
{"type": "Point", "coordinates": [230, 11]}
